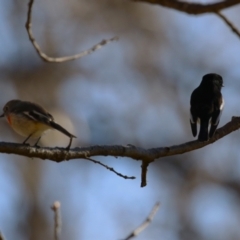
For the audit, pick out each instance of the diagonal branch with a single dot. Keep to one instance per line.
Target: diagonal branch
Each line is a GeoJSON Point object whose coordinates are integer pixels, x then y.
{"type": "Point", "coordinates": [234, 29]}
{"type": "Point", "coordinates": [44, 56]}
{"type": "Point", "coordinates": [145, 155]}
{"type": "Point", "coordinates": [145, 223]}
{"type": "Point", "coordinates": [110, 169]}
{"type": "Point", "coordinates": [193, 8]}
{"type": "Point", "coordinates": [137, 153]}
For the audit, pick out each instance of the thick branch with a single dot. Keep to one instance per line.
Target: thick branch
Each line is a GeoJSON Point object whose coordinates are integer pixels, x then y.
{"type": "Point", "coordinates": [145, 155]}
{"type": "Point", "coordinates": [137, 153]}
{"type": "Point", "coordinates": [193, 8]}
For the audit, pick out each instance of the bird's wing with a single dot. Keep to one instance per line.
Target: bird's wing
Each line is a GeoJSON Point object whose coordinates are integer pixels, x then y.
{"type": "Point", "coordinates": [216, 117]}
{"type": "Point", "coordinates": [193, 108]}
{"type": "Point", "coordinates": [216, 120]}
{"type": "Point", "coordinates": [194, 128]}
{"type": "Point", "coordinates": [38, 116]}
{"type": "Point", "coordinates": [34, 112]}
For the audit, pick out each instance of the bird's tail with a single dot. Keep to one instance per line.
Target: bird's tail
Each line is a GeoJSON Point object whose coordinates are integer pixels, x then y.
{"type": "Point", "coordinates": [61, 129]}
{"type": "Point", "coordinates": [203, 133]}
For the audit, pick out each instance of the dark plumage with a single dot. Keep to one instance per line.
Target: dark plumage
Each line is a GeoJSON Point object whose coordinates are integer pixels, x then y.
{"type": "Point", "coordinates": [206, 106]}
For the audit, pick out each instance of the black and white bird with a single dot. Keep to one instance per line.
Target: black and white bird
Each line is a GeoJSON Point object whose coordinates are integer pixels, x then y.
{"type": "Point", "coordinates": [206, 106]}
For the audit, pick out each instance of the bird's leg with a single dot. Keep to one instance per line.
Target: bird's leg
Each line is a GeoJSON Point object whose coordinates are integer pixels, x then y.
{"type": "Point", "coordinates": [35, 145]}
{"type": "Point", "coordinates": [27, 139]}
{"type": "Point", "coordinates": [69, 145]}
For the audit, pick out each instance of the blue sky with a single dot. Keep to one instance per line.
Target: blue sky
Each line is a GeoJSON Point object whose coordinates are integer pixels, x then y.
{"type": "Point", "coordinates": [132, 91]}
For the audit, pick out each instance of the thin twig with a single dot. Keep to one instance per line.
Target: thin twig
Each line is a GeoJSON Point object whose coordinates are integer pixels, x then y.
{"type": "Point", "coordinates": [234, 29]}
{"type": "Point", "coordinates": [57, 219]}
{"type": "Point", "coordinates": [44, 56]}
{"type": "Point", "coordinates": [2, 237]}
{"type": "Point", "coordinates": [110, 168]}
{"type": "Point", "coordinates": [145, 223]}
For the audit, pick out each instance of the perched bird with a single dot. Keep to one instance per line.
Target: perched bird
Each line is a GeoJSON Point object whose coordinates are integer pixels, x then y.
{"type": "Point", "coordinates": [31, 120]}
{"type": "Point", "coordinates": [206, 106]}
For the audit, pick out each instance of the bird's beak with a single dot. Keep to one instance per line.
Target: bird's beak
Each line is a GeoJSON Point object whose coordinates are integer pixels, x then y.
{"type": "Point", "coordinates": [2, 115]}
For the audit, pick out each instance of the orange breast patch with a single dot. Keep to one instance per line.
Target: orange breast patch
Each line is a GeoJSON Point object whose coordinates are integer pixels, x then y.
{"type": "Point", "coordinates": [9, 120]}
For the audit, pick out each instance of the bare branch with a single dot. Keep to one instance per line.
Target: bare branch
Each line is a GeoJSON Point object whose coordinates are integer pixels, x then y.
{"type": "Point", "coordinates": [137, 153]}
{"type": "Point", "coordinates": [144, 174]}
{"type": "Point", "coordinates": [45, 57]}
{"type": "Point", "coordinates": [145, 223]}
{"type": "Point", "coordinates": [193, 8]}
{"type": "Point", "coordinates": [110, 168]}
{"type": "Point", "coordinates": [145, 155]}
{"type": "Point", "coordinates": [234, 29]}
{"type": "Point", "coordinates": [57, 219]}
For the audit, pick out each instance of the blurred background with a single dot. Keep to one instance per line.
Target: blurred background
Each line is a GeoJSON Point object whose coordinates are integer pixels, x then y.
{"type": "Point", "coordinates": [134, 91]}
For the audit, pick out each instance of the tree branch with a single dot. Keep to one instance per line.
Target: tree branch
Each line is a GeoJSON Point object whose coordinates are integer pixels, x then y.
{"type": "Point", "coordinates": [57, 219]}
{"type": "Point", "coordinates": [145, 155]}
{"type": "Point", "coordinates": [234, 29]}
{"type": "Point", "coordinates": [61, 154]}
{"type": "Point", "coordinates": [110, 169]}
{"type": "Point", "coordinates": [145, 223]}
{"type": "Point", "coordinates": [193, 8]}
{"type": "Point", "coordinates": [144, 173]}
{"type": "Point", "coordinates": [44, 56]}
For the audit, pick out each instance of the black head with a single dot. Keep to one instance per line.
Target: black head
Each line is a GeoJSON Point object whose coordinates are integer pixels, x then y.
{"type": "Point", "coordinates": [212, 80]}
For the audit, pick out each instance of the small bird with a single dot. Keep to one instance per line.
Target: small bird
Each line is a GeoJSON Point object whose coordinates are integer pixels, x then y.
{"type": "Point", "coordinates": [206, 106]}
{"type": "Point", "coordinates": [31, 120]}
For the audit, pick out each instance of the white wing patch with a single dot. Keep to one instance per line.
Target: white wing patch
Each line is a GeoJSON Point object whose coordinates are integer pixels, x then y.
{"type": "Point", "coordinates": [27, 114]}
{"type": "Point", "coordinates": [220, 114]}
{"type": "Point", "coordinates": [191, 118]}
{"type": "Point", "coordinates": [222, 105]}
{"type": "Point", "coordinates": [37, 116]}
